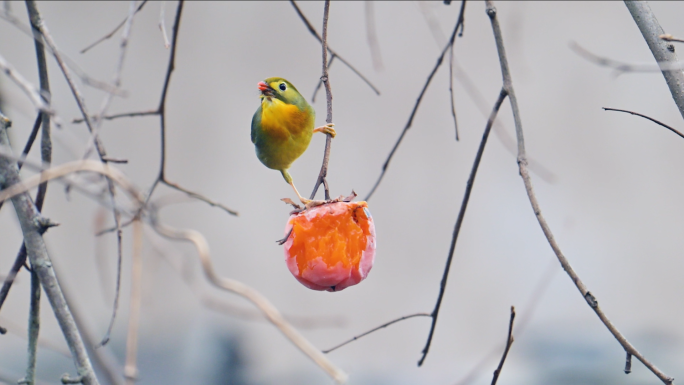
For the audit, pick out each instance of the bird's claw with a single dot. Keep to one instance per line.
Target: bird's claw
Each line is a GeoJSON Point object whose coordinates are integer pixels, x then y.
{"type": "Point", "coordinates": [327, 129]}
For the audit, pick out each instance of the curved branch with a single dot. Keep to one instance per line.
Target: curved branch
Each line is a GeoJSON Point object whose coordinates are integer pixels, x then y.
{"type": "Point", "coordinates": [524, 174]}
{"type": "Point", "coordinates": [646, 117]}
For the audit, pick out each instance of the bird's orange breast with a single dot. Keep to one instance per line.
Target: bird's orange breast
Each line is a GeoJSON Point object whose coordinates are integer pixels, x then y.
{"type": "Point", "coordinates": [281, 121]}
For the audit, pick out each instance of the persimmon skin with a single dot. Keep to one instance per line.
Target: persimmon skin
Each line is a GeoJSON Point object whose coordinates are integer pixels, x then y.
{"type": "Point", "coordinates": [331, 246]}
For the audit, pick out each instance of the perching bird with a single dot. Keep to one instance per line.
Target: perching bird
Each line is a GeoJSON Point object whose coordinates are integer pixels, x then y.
{"type": "Point", "coordinates": [282, 127]}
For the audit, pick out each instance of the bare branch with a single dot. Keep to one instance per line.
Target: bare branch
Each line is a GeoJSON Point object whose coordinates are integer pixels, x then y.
{"type": "Point", "coordinates": [162, 24]}
{"type": "Point", "coordinates": [273, 315]}
{"type": "Point", "coordinates": [328, 95]}
{"type": "Point", "coordinates": [33, 329]}
{"type": "Point", "coordinates": [372, 36]}
{"type": "Point", "coordinates": [531, 305]}
{"type": "Point", "coordinates": [524, 173]}
{"type": "Point", "coordinates": [235, 311]}
{"type": "Point", "coordinates": [131, 368]}
{"type": "Point", "coordinates": [161, 111]}
{"type": "Point", "coordinates": [509, 342]}
{"type": "Point", "coordinates": [194, 237]}
{"type": "Point", "coordinates": [85, 78]}
{"type": "Point", "coordinates": [318, 37]}
{"type": "Point", "coordinates": [459, 221]}
{"type": "Point", "coordinates": [109, 35]}
{"type": "Point", "coordinates": [116, 116]}
{"type": "Point", "coordinates": [201, 198]}
{"type": "Point", "coordinates": [451, 88]}
{"type": "Point", "coordinates": [499, 128]}
{"type": "Point", "coordinates": [386, 324]}
{"type": "Point", "coordinates": [663, 52]}
{"type": "Point", "coordinates": [98, 123]}
{"type": "Point", "coordinates": [28, 88]}
{"type": "Point", "coordinates": [646, 117]}
{"type": "Point", "coordinates": [32, 224]}
{"type": "Point", "coordinates": [668, 37]}
{"type": "Point", "coordinates": [459, 22]}
{"type": "Point", "coordinates": [621, 67]}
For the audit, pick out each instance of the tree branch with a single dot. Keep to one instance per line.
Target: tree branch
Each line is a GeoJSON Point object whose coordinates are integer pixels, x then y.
{"type": "Point", "coordinates": [386, 324]}
{"type": "Point", "coordinates": [33, 329]}
{"type": "Point", "coordinates": [459, 22]}
{"type": "Point", "coordinates": [646, 117]}
{"type": "Point", "coordinates": [196, 238]}
{"type": "Point", "coordinates": [328, 95]}
{"type": "Point", "coordinates": [318, 37]}
{"type": "Point", "coordinates": [663, 52]}
{"type": "Point", "coordinates": [524, 173]}
{"type": "Point", "coordinates": [459, 221]}
{"type": "Point", "coordinates": [509, 342]}
{"type": "Point", "coordinates": [32, 223]}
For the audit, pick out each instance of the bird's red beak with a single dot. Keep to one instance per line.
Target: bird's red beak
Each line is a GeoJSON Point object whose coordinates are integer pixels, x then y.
{"type": "Point", "coordinates": [263, 86]}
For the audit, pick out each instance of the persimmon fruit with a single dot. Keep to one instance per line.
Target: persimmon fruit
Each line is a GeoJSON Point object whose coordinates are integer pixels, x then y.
{"type": "Point", "coordinates": [332, 246]}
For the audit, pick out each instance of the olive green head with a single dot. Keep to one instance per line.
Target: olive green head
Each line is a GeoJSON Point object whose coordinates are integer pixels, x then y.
{"type": "Point", "coordinates": [282, 90]}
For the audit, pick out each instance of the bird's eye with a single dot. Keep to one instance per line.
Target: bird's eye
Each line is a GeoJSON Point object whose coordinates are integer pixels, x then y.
{"type": "Point", "coordinates": [283, 87]}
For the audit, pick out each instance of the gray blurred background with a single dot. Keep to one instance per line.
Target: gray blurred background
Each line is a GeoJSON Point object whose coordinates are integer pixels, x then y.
{"type": "Point", "coordinates": [612, 195]}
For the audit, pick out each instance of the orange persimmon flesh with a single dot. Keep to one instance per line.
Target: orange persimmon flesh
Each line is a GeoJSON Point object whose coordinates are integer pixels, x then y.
{"type": "Point", "coordinates": [332, 246]}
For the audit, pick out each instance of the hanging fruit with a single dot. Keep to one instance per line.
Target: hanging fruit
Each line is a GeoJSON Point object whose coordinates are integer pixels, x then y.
{"type": "Point", "coordinates": [332, 246]}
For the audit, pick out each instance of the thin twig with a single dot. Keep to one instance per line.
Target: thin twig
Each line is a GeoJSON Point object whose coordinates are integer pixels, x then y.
{"type": "Point", "coordinates": [328, 95]}
{"type": "Point", "coordinates": [162, 24]}
{"type": "Point", "coordinates": [28, 88]}
{"type": "Point", "coordinates": [668, 37]}
{"type": "Point", "coordinates": [33, 329]}
{"type": "Point", "coordinates": [117, 76]}
{"type": "Point", "coordinates": [451, 88]}
{"type": "Point", "coordinates": [131, 368]}
{"type": "Point", "coordinates": [318, 37]}
{"type": "Point", "coordinates": [646, 117]}
{"type": "Point", "coordinates": [109, 35]}
{"type": "Point", "coordinates": [85, 78]}
{"type": "Point", "coordinates": [459, 221]}
{"type": "Point", "coordinates": [375, 329]}
{"type": "Point", "coordinates": [372, 36]}
{"type": "Point", "coordinates": [621, 67]}
{"type": "Point", "coordinates": [440, 59]}
{"type": "Point", "coordinates": [98, 123]}
{"type": "Point", "coordinates": [116, 116]}
{"type": "Point", "coordinates": [509, 342]}
{"type": "Point", "coordinates": [531, 305]}
{"type": "Point", "coordinates": [524, 173]}
{"type": "Point", "coordinates": [161, 112]}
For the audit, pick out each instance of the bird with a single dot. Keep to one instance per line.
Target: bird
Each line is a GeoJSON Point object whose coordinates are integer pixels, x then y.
{"type": "Point", "coordinates": [282, 127]}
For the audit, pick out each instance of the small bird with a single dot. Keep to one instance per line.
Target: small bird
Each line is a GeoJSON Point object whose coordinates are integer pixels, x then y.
{"type": "Point", "coordinates": [282, 127]}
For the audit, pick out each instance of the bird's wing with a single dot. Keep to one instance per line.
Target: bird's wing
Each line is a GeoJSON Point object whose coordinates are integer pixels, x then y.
{"type": "Point", "coordinates": [256, 123]}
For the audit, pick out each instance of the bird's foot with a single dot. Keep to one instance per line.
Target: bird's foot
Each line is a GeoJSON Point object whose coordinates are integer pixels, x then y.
{"type": "Point", "coordinates": [308, 203]}
{"type": "Point", "coordinates": [327, 129]}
